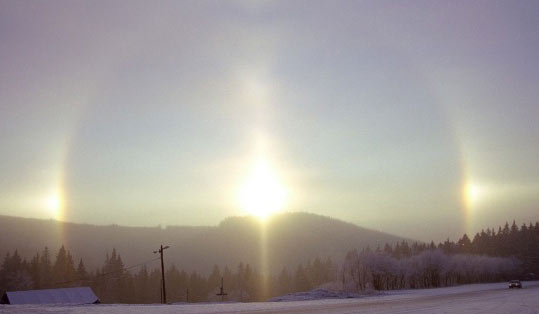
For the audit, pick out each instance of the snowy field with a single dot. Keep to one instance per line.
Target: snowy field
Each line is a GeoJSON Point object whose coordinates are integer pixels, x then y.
{"type": "Point", "coordinates": [479, 298]}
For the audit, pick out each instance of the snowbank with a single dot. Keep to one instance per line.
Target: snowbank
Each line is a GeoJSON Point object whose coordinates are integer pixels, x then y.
{"type": "Point", "coordinates": [319, 294]}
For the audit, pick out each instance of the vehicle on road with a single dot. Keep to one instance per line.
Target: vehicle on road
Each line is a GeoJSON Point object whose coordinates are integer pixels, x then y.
{"type": "Point", "coordinates": [515, 284]}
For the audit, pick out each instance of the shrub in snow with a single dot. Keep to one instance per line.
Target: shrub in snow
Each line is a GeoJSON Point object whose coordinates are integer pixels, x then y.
{"type": "Point", "coordinates": [428, 269]}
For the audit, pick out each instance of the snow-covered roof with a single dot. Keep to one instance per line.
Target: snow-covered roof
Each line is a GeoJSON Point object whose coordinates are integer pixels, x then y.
{"type": "Point", "coordinates": [78, 295]}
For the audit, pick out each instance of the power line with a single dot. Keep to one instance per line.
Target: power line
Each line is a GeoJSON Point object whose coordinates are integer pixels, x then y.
{"type": "Point", "coordinates": [118, 272]}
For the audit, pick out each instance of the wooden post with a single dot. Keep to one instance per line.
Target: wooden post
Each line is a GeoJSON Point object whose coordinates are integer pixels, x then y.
{"type": "Point", "coordinates": [222, 292]}
{"type": "Point", "coordinates": [160, 251]}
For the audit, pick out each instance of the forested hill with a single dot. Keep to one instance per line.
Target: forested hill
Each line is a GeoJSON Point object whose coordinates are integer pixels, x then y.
{"type": "Point", "coordinates": [285, 239]}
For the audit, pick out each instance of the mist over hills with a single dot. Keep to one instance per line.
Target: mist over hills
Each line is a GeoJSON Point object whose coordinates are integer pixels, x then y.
{"type": "Point", "coordinates": [283, 239]}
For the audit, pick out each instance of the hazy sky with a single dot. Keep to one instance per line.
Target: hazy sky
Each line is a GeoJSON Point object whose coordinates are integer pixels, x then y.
{"type": "Point", "coordinates": [419, 118]}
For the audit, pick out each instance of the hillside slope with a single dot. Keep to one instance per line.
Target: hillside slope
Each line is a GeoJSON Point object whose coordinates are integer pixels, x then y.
{"type": "Point", "coordinates": [284, 239]}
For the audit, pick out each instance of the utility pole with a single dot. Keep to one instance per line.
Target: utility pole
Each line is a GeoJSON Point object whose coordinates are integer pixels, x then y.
{"type": "Point", "coordinates": [160, 251]}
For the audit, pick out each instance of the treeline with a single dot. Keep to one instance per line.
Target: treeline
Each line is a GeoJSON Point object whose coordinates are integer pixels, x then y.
{"type": "Point", "coordinates": [141, 283]}
{"type": "Point", "coordinates": [511, 252]}
{"type": "Point", "coordinates": [509, 241]}
{"type": "Point", "coordinates": [431, 268]}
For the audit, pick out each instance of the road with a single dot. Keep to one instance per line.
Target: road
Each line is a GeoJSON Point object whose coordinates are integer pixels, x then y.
{"type": "Point", "coordinates": [522, 301]}
{"type": "Point", "coordinates": [468, 299]}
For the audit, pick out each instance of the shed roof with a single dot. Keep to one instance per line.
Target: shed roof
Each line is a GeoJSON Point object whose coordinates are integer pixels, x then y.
{"type": "Point", "coordinates": [78, 295]}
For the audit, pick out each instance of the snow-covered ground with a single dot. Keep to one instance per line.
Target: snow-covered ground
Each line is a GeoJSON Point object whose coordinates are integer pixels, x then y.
{"type": "Point", "coordinates": [493, 298]}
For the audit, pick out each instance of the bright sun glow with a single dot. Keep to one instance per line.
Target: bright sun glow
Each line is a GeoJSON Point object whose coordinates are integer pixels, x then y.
{"type": "Point", "coordinates": [262, 193]}
{"type": "Point", "coordinates": [473, 194]}
{"type": "Point", "coordinates": [53, 204]}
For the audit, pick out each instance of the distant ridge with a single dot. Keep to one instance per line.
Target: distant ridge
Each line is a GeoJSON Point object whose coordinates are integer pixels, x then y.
{"type": "Point", "coordinates": [290, 238]}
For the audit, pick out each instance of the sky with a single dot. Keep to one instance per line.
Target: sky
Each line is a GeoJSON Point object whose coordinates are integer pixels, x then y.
{"type": "Point", "coordinates": [418, 118]}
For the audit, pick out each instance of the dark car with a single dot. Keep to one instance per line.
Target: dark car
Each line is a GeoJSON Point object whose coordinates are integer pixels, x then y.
{"type": "Point", "coordinates": [515, 284]}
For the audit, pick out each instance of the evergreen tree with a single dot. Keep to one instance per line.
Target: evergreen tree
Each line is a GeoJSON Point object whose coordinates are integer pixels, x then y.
{"type": "Point", "coordinates": [285, 282]}
{"type": "Point", "coordinates": [45, 270]}
{"type": "Point", "coordinates": [14, 273]}
{"type": "Point", "coordinates": [142, 285]}
{"type": "Point", "coordinates": [465, 245]}
{"type": "Point", "coordinates": [82, 274]}
{"type": "Point", "coordinates": [301, 281]}
{"type": "Point", "coordinates": [214, 280]}
{"type": "Point", "coordinates": [34, 270]}
{"type": "Point", "coordinates": [63, 269]}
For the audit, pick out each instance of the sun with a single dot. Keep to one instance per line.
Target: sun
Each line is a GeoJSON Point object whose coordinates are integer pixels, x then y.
{"type": "Point", "coordinates": [53, 203]}
{"type": "Point", "coordinates": [262, 193]}
{"type": "Point", "coordinates": [473, 193]}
